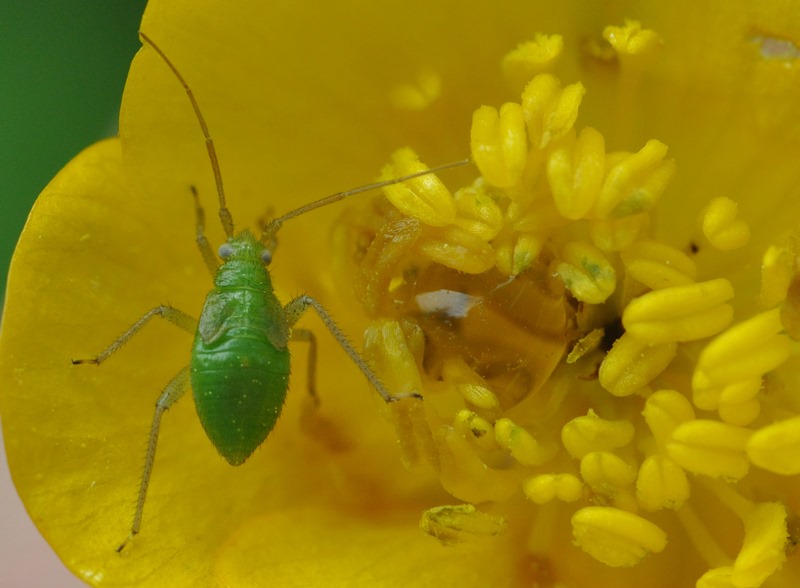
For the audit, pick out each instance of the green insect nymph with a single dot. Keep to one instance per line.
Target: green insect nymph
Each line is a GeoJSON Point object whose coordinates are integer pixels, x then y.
{"type": "Point", "coordinates": [239, 369]}
{"type": "Point", "coordinates": [240, 359]}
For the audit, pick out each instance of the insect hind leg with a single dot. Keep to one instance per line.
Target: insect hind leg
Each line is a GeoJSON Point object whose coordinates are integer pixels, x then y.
{"type": "Point", "coordinates": [294, 310]}
{"type": "Point", "coordinates": [311, 377]}
{"type": "Point", "coordinates": [172, 392]}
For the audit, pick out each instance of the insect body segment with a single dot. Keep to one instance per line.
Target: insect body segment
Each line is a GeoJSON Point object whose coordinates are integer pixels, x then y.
{"type": "Point", "coordinates": [240, 359]}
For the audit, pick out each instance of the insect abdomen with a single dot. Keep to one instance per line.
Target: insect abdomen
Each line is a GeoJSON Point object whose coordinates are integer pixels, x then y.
{"type": "Point", "coordinates": [239, 378]}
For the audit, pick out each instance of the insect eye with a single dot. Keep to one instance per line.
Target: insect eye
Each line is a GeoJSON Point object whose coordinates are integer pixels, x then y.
{"type": "Point", "coordinates": [225, 251]}
{"type": "Point", "coordinates": [266, 256]}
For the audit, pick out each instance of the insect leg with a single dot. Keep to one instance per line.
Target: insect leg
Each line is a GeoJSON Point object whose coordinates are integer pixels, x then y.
{"type": "Point", "coordinates": [173, 315]}
{"type": "Point", "coordinates": [306, 335]}
{"type": "Point", "coordinates": [294, 309]}
{"type": "Point", "coordinates": [172, 392]}
{"type": "Point", "coordinates": [202, 243]}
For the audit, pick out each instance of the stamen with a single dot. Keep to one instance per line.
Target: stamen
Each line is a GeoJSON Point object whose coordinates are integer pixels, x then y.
{"type": "Point", "coordinates": [587, 273]}
{"type": "Point", "coordinates": [776, 447]}
{"type": "Point", "coordinates": [777, 269]}
{"type": "Point", "coordinates": [459, 523]}
{"type": "Point", "coordinates": [664, 411]}
{"type": "Point", "coordinates": [606, 473]}
{"type": "Point", "coordinates": [531, 58]}
{"type": "Point", "coordinates": [721, 227]}
{"type": "Point", "coordinates": [417, 96]}
{"type": "Point", "coordinates": [550, 112]}
{"type": "Point", "coordinates": [615, 537]}
{"type": "Point", "coordinates": [661, 483]}
{"type": "Point", "coordinates": [547, 487]}
{"type": "Point", "coordinates": [522, 445]}
{"type": "Point", "coordinates": [710, 448]}
{"type": "Point", "coordinates": [658, 266]}
{"type": "Point", "coordinates": [632, 40]}
{"type": "Point", "coordinates": [478, 429]}
{"type": "Point", "coordinates": [478, 214]}
{"type": "Point", "coordinates": [635, 181]}
{"type": "Point", "coordinates": [499, 144]}
{"type": "Point", "coordinates": [575, 172]}
{"type": "Point", "coordinates": [632, 364]}
{"type": "Point", "coordinates": [585, 434]}
{"type": "Point", "coordinates": [739, 357]}
{"type": "Point", "coordinates": [425, 198]}
{"type": "Point", "coordinates": [680, 313]}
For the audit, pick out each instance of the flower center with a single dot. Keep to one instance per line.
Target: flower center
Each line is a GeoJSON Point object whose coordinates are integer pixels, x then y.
{"type": "Point", "coordinates": [562, 352]}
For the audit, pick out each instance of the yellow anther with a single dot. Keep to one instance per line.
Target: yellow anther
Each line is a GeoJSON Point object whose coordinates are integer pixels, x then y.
{"type": "Point", "coordinates": [478, 214]}
{"type": "Point", "coordinates": [587, 273]}
{"type": "Point", "coordinates": [661, 484]}
{"type": "Point", "coordinates": [740, 356]}
{"type": "Point", "coordinates": [777, 269]}
{"type": "Point", "coordinates": [616, 234]}
{"type": "Point", "coordinates": [575, 172]}
{"type": "Point", "coordinates": [464, 474]}
{"type": "Point", "coordinates": [522, 445]}
{"type": "Point", "coordinates": [499, 144]}
{"type": "Point", "coordinates": [615, 537]}
{"type": "Point", "coordinates": [632, 39]}
{"type": "Point", "coordinates": [721, 227]}
{"type": "Point", "coordinates": [550, 112]}
{"type": "Point", "coordinates": [386, 349]}
{"type": "Point", "coordinates": [472, 388]}
{"type": "Point", "coordinates": [476, 428]}
{"type": "Point", "coordinates": [634, 181]}
{"type": "Point", "coordinates": [632, 364]}
{"type": "Point", "coordinates": [711, 448]}
{"type": "Point", "coordinates": [425, 198]}
{"type": "Point", "coordinates": [531, 58]}
{"type": "Point", "coordinates": [709, 397]}
{"type": "Point", "coordinates": [417, 96]}
{"type": "Point", "coordinates": [479, 396]}
{"type": "Point", "coordinates": [460, 523]}
{"type": "Point", "coordinates": [740, 414]}
{"type": "Point", "coordinates": [585, 434]}
{"type": "Point", "coordinates": [658, 266]}
{"type": "Point", "coordinates": [737, 403]}
{"type": "Point", "coordinates": [456, 248]}
{"type": "Point", "coordinates": [680, 313]}
{"type": "Point", "coordinates": [547, 487]}
{"type": "Point", "coordinates": [665, 410]}
{"type": "Point", "coordinates": [763, 551]}
{"type": "Point", "coordinates": [606, 473]}
{"type": "Point", "coordinates": [515, 253]}
{"type": "Point", "coordinates": [588, 343]}
{"type": "Point", "coordinates": [776, 447]}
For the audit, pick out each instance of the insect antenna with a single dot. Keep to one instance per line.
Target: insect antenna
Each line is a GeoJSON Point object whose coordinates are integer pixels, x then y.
{"type": "Point", "coordinates": [224, 213]}
{"type": "Point", "coordinates": [275, 224]}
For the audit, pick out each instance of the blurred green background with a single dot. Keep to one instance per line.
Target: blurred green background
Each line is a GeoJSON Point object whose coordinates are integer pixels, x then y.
{"type": "Point", "coordinates": [63, 67]}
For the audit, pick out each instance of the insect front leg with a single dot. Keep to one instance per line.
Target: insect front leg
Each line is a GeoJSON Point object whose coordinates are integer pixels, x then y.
{"type": "Point", "coordinates": [202, 243]}
{"type": "Point", "coordinates": [173, 315]}
{"type": "Point", "coordinates": [294, 309]}
{"type": "Point", "coordinates": [306, 335]}
{"type": "Point", "coordinates": [172, 392]}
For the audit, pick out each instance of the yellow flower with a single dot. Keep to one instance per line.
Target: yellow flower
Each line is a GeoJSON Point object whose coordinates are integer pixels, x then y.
{"type": "Point", "coordinates": [600, 315]}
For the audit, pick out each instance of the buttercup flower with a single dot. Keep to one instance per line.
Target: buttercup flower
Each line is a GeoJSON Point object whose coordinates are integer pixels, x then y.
{"type": "Point", "coordinates": [600, 313]}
